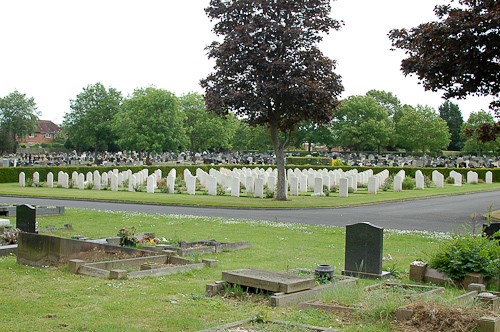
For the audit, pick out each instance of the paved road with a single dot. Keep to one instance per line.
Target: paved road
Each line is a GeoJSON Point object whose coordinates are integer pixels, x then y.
{"type": "Point", "coordinates": [442, 214]}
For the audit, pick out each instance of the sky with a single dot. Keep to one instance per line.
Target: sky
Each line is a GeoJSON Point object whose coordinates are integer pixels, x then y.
{"type": "Point", "coordinates": [52, 49]}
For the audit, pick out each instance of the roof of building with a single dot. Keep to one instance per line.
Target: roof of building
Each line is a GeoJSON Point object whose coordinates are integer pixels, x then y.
{"type": "Point", "coordinates": [46, 126]}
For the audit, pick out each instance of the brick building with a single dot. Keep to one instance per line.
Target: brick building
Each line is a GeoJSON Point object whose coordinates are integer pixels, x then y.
{"type": "Point", "coordinates": [45, 133]}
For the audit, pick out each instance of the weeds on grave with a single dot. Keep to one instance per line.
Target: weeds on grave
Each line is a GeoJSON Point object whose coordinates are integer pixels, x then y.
{"type": "Point", "coordinates": [408, 183]}
{"type": "Point", "coordinates": [220, 190]}
{"type": "Point", "coordinates": [127, 237]}
{"type": "Point", "coordinates": [389, 181]}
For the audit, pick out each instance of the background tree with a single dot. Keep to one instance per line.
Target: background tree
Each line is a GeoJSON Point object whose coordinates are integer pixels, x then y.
{"type": "Point", "coordinates": [473, 144]}
{"type": "Point", "coordinates": [422, 129]}
{"type": "Point", "coordinates": [459, 53]}
{"type": "Point", "coordinates": [362, 124]}
{"type": "Point", "coordinates": [205, 130]}
{"type": "Point", "coordinates": [268, 69]}
{"type": "Point", "coordinates": [251, 138]}
{"type": "Point", "coordinates": [150, 121]}
{"type": "Point", "coordinates": [310, 133]}
{"type": "Point", "coordinates": [18, 118]}
{"type": "Point", "coordinates": [450, 113]}
{"type": "Point", "coordinates": [89, 122]}
{"type": "Point", "coordinates": [388, 100]}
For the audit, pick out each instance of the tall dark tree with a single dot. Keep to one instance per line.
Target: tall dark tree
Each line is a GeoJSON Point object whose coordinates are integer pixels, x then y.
{"type": "Point", "coordinates": [459, 53]}
{"type": "Point", "coordinates": [18, 118]}
{"type": "Point", "coordinates": [450, 113]}
{"type": "Point", "coordinates": [268, 68]}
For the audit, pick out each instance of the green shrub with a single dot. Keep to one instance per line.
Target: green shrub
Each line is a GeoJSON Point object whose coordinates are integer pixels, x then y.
{"type": "Point", "coordinates": [427, 182]}
{"type": "Point", "coordinates": [467, 253]}
{"type": "Point", "coordinates": [309, 161]}
{"type": "Point", "coordinates": [408, 183]}
{"type": "Point", "coordinates": [388, 183]}
{"type": "Point", "coordinates": [449, 180]}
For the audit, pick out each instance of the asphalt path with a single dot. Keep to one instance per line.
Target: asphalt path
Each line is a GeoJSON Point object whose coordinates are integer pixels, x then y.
{"type": "Point", "coordinates": [436, 214]}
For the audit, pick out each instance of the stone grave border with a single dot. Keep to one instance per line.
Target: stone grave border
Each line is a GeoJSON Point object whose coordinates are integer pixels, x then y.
{"type": "Point", "coordinates": [10, 210]}
{"type": "Point", "coordinates": [200, 247]}
{"type": "Point", "coordinates": [143, 266]}
{"type": "Point", "coordinates": [485, 323]}
{"type": "Point", "coordinates": [282, 299]}
{"type": "Point", "coordinates": [333, 308]}
{"type": "Point", "coordinates": [252, 320]}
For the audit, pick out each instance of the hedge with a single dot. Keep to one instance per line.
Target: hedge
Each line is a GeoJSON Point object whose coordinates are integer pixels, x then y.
{"type": "Point", "coordinates": [11, 174]}
{"type": "Point", "coordinates": [300, 161]}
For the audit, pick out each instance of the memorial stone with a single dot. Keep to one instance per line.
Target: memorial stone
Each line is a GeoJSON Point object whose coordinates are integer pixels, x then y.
{"type": "Point", "coordinates": [211, 185]}
{"type": "Point", "coordinates": [114, 181]}
{"type": "Point", "coordinates": [22, 179]}
{"type": "Point", "coordinates": [81, 181]}
{"type": "Point", "coordinates": [419, 180]}
{"type": "Point", "coordinates": [398, 183]}
{"type": "Point", "coordinates": [259, 187]}
{"type": "Point", "coordinates": [26, 218]}
{"type": "Point", "coordinates": [344, 187]}
{"type": "Point", "coordinates": [150, 185]}
{"type": "Point", "coordinates": [235, 186]}
{"type": "Point", "coordinates": [489, 177]}
{"type": "Point", "coordinates": [36, 178]}
{"type": "Point", "coordinates": [373, 184]}
{"type": "Point", "coordinates": [294, 185]}
{"type": "Point", "coordinates": [50, 180]}
{"type": "Point", "coordinates": [363, 250]}
{"type": "Point", "coordinates": [97, 181]}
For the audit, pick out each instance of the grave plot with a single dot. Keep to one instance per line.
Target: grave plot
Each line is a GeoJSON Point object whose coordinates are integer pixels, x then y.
{"type": "Point", "coordinates": [270, 326]}
{"type": "Point", "coordinates": [10, 210]}
{"type": "Point", "coordinates": [200, 247]}
{"type": "Point", "coordinates": [349, 300]}
{"type": "Point", "coordinates": [287, 288]}
{"type": "Point", "coordinates": [158, 265]}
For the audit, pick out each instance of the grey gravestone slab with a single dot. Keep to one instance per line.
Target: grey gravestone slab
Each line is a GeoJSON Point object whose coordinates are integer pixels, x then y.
{"type": "Point", "coordinates": [26, 218]}
{"type": "Point", "coordinates": [363, 251]}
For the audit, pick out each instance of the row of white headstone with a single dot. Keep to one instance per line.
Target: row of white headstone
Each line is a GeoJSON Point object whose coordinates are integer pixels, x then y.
{"type": "Point", "coordinates": [253, 180]}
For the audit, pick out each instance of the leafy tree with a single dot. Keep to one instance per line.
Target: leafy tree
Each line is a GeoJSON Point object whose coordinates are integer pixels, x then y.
{"type": "Point", "coordinates": [89, 123]}
{"type": "Point", "coordinates": [205, 130]}
{"type": "Point", "coordinates": [386, 99]}
{"type": "Point", "coordinates": [473, 144]}
{"type": "Point", "coordinates": [312, 133]}
{"type": "Point", "coordinates": [251, 138]}
{"type": "Point", "coordinates": [362, 124]}
{"type": "Point", "coordinates": [18, 117]}
{"type": "Point", "coordinates": [450, 113]}
{"type": "Point", "coordinates": [459, 53]}
{"type": "Point", "coordinates": [422, 129]}
{"type": "Point", "coordinates": [150, 120]}
{"type": "Point", "coordinates": [268, 69]}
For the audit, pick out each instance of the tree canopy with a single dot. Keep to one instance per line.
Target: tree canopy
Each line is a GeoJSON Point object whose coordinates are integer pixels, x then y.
{"type": "Point", "coordinates": [18, 118]}
{"type": "Point", "coordinates": [450, 113]}
{"type": "Point", "coordinates": [268, 68]}
{"type": "Point", "coordinates": [89, 122]}
{"type": "Point", "coordinates": [473, 143]}
{"type": "Point", "coordinates": [422, 129]}
{"type": "Point", "coordinates": [205, 130]}
{"type": "Point", "coordinates": [150, 120]}
{"type": "Point", "coordinates": [459, 53]}
{"type": "Point", "coordinates": [362, 124]}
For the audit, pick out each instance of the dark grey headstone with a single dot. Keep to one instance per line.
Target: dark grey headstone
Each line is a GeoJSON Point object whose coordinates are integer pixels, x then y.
{"type": "Point", "coordinates": [26, 218]}
{"type": "Point", "coordinates": [363, 249]}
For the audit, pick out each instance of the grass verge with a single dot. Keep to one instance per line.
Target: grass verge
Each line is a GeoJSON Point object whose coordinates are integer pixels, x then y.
{"type": "Point", "coordinates": [303, 201]}
{"type": "Point", "coordinates": [49, 299]}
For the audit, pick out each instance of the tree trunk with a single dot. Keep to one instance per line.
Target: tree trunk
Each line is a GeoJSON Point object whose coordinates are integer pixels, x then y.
{"type": "Point", "coordinates": [279, 151]}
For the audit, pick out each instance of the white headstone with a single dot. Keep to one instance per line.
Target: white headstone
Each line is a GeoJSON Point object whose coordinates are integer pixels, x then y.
{"type": "Point", "coordinates": [105, 179]}
{"type": "Point", "coordinates": [398, 183]}
{"type": "Point", "coordinates": [131, 182]}
{"type": "Point", "coordinates": [271, 183]}
{"type": "Point", "coordinates": [373, 184]}
{"type": "Point", "coordinates": [235, 186]}
{"type": "Point", "coordinates": [438, 179]}
{"type": "Point", "coordinates": [74, 178]}
{"type": "Point", "coordinates": [97, 181]}
{"type": "Point", "coordinates": [88, 177]}
{"type": "Point", "coordinates": [22, 179]}
{"type": "Point", "coordinates": [81, 181]}
{"type": "Point", "coordinates": [171, 182]}
{"type": "Point", "coordinates": [150, 186]}
{"type": "Point", "coordinates": [343, 187]}
{"type": "Point", "coordinates": [259, 188]}
{"type": "Point", "coordinates": [419, 180]}
{"type": "Point", "coordinates": [318, 186]}
{"type": "Point", "coordinates": [50, 180]}
{"type": "Point", "coordinates": [36, 178]}
{"type": "Point", "coordinates": [472, 177]}
{"type": "Point", "coordinates": [190, 183]}
{"type": "Point", "coordinates": [114, 182]}
{"type": "Point", "coordinates": [294, 185]}
{"type": "Point", "coordinates": [211, 184]}
{"type": "Point", "coordinates": [489, 177]}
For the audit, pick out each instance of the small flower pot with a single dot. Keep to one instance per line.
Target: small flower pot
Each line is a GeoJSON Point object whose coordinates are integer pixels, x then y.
{"type": "Point", "coordinates": [417, 271]}
{"type": "Point", "coordinates": [324, 272]}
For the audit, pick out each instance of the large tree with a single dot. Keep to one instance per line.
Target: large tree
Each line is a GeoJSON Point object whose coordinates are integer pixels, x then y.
{"type": "Point", "coordinates": [362, 124]}
{"type": "Point", "coordinates": [205, 130]}
{"type": "Point", "coordinates": [268, 68]}
{"type": "Point", "coordinates": [422, 129]}
{"type": "Point", "coordinates": [459, 53]}
{"type": "Point", "coordinates": [89, 122]}
{"type": "Point", "coordinates": [473, 143]}
{"type": "Point", "coordinates": [18, 117]}
{"type": "Point", "coordinates": [450, 113]}
{"type": "Point", "coordinates": [150, 120]}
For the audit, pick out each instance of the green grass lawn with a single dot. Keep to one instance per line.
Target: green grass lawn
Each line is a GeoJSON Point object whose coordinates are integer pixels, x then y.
{"type": "Point", "coordinates": [52, 299]}
{"type": "Point", "coordinates": [302, 201]}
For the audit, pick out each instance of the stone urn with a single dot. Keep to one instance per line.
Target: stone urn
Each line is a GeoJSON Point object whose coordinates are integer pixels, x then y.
{"type": "Point", "coordinates": [324, 272]}
{"type": "Point", "coordinates": [417, 271]}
